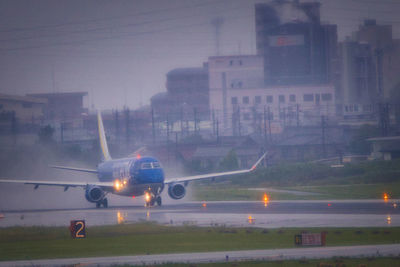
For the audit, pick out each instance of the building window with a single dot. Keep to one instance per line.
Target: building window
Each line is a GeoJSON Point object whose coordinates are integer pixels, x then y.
{"type": "Point", "coordinates": [240, 84]}
{"type": "Point", "coordinates": [240, 62]}
{"type": "Point", "coordinates": [234, 100]}
{"type": "Point", "coordinates": [246, 116]}
{"type": "Point", "coordinates": [281, 99]}
{"type": "Point", "coordinates": [270, 99]}
{"type": "Point", "coordinates": [317, 98]}
{"type": "Point", "coordinates": [27, 105]}
{"type": "Point", "coordinates": [231, 62]}
{"type": "Point", "coordinates": [308, 98]}
{"type": "Point", "coordinates": [292, 98]}
{"type": "Point", "coordinates": [257, 99]}
{"type": "Point", "coordinates": [271, 116]}
{"type": "Point", "coordinates": [326, 97]}
{"type": "Point", "coordinates": [245, 100]}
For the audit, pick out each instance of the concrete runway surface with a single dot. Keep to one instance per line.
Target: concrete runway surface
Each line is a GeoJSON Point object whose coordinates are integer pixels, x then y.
{"type": "Point", "coordinates": [273, 214]}
{"type": "Point", "coordinates": [207, 257]}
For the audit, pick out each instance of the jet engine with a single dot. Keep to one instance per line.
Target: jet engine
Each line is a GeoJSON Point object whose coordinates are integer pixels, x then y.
{"type": "Point", "coordinates": [94, 193]}
{"type": "Point", "coordinates": [176, 191]}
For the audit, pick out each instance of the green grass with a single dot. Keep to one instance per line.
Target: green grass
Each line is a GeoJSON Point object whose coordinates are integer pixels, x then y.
{"type": "Point", "coordinates": [366, 180]}
{"type": "Point", "coordinates": [19, 243]}
{"type": "Point", "coordinates": [340, 262]}
{"type": "Point", "coordinates": [355, 191]}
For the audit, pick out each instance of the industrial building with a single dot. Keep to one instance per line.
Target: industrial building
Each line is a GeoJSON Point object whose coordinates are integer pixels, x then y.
{"type": "Point", "coordinates": [370, 64]}
{"type": "Point", "coordinates": [62, 106]}
{"type": "Point", "coordinates": [26, 109]}
{"type": "Point", "coordinates": [242, 104]}
{"type": "Point", "coordinates": [296, 47]}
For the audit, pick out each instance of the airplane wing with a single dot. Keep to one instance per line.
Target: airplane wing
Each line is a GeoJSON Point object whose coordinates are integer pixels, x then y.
{"type": "Point", "coordinates": [107, 186]}
{"type": "Point", "coordinates": [214, 175]}
{"type": "Point", "coordinates": [74, 169]}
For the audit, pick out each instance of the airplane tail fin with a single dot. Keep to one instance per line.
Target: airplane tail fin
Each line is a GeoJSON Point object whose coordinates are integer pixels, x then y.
{"type": "Point", "coordinates": [102, 137]}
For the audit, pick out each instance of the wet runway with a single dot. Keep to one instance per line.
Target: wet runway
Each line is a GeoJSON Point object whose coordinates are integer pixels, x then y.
{"type": "Point", "coordinates": [254, 214]}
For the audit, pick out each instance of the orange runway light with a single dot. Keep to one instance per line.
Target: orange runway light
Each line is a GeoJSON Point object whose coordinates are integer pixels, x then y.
{"type": "Point", "coordinates": [265, 199]}
{"type": "Point", "coordinates": [389, 220]}
{"type": "Point", "coordinates": [204, 205]}
{"type": "Point", "coordinates": [394, 205]}
{"type": "Point", "coordinates": [385, 197]}
{"type": "Point", "coordinates": [250, 219]}
{"type": "Point", "coordinates": [329, 204]}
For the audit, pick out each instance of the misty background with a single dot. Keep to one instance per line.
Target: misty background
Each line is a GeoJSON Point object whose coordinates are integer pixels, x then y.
{"type": "Point", "coordinates": [120, 51]}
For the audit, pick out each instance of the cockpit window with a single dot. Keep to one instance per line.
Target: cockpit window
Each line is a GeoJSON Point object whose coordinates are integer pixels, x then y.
{"type": "Point", "coordinates": [156, 164]}
{"type": "Point", "coordinates": [150, 165]}
{"type": "Point", "coordinates": [146, 165]}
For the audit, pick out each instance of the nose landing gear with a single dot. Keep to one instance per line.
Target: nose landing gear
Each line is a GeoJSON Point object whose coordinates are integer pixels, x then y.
{"type": "Point", "coordinates": [151, 199]}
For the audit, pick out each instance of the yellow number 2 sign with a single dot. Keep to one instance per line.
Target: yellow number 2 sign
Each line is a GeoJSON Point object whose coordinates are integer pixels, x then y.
{"type": "Point", "coordinates": [77, 229]}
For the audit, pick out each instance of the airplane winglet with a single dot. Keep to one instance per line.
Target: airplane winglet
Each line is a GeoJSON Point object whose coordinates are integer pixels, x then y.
{"type": "Point", "coordinates": [258, 161]}
{"type": "Point", "coordinates": [102, 136]}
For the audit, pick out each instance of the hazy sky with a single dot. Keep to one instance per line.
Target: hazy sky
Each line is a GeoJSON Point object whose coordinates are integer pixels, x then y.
{"type": "Point", "coordinates": [119, 51]}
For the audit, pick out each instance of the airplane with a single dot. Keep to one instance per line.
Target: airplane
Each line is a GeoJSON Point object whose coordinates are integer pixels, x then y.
{"type": "Point", "coordinates": [133, 176]}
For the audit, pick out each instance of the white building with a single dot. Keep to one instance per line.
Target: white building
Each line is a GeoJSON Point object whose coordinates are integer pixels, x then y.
{"type": "Point", "coordinates": [243, 105]}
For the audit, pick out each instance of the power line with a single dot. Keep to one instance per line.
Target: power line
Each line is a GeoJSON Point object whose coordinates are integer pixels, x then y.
{"type": "Point", "coordinates": [82, 22]}
{"type": "Point", "coordinates": [117, 36]}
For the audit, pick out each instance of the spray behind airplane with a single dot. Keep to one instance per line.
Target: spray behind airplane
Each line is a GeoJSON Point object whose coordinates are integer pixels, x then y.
{"type": "Point", "coordinates": [133, 176]}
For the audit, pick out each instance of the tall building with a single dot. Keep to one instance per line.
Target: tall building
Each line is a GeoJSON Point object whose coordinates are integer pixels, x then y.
{"type": "Point", "coordinates": [369, 67]}
{"type": "Point", "coordinates": [386, 53]}
{"type": "Point", "coordinates": [296, 47]}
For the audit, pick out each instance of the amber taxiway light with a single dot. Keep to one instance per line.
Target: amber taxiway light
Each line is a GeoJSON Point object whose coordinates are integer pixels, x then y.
{"type": "Point", "coordinates": [265, 199]}
{"type": "Point", "coordinates": [385, 197]}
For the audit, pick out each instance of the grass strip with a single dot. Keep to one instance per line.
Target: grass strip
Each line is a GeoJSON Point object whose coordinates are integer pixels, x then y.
{"type": "Point", "coordinates": [335, 262]}
{"type": "Point", "coordinates": [25, 243]}
{"type": "Point", "coordinates": [354, 191]}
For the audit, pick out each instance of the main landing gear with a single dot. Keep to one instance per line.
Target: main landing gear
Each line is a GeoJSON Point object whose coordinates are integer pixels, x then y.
{"type": "Point", "coordinates": [152, 199]}
{"type": "Point", "coordinates": [103, 202]}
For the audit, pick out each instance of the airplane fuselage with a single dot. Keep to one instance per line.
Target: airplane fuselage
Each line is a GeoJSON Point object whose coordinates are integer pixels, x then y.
{"type": "Point", "coordinates": [133, 176]}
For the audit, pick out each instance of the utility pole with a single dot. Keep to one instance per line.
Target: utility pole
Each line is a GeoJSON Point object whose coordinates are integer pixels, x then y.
{"type": "Point", "coordinates": [217, 131]}
{"type": "Point", "coordinates": [167, 128]}
{"type": "Point", "coordinates": [168, 139]}
{"type": "Point", "coordinates": [153, 127]}
{"type": "Point", "coordinates": [213, 122]}
{"type": "Point", "coordinates": [117, 125]}
{"type": "Point", "coordinates": [239, 123]}
{"type": "Point", "coordinates": [195, 120]}
{"type": "Point", "coordinates": [269, 125]}
{"type": "Point", "coordinates": [384, 118]}
{"type": "Point", "coordinates": [265, 127]}
{"type": "Point", "coordinates": [323, 126]}
{"type": "Point", "coordinates": [181, 120]}
{"type": "Point", "coordinates": [127, 126]}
